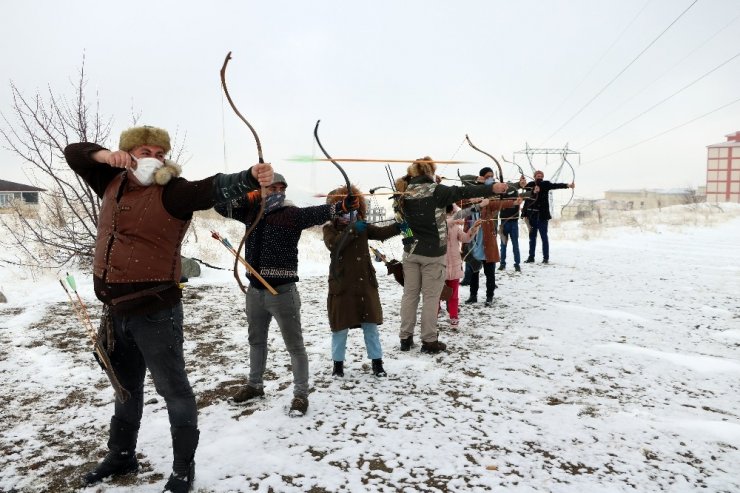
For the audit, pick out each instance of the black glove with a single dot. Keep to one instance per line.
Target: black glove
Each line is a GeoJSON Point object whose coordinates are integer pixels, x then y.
{"type": "Point", "coordinates": [350, 203]}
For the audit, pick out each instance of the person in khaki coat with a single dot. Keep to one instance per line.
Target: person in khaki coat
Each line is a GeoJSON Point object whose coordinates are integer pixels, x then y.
{"type": "Point", "coordinates": [353, 299]}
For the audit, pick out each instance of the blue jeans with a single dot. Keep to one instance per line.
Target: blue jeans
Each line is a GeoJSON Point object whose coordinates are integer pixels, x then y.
{"type": "Point", "coordinates": [511, 230]}
{"type": "Point", "coordinates": [468, 273]}
{"type": "Point", "coordinates": [372, 342]}
{"type": "Point", "coordinates": [538, 225]}
{"type": "Point", "coordinates": [261, 307]}
{"type": "Point", "coordinates": [153, 341]}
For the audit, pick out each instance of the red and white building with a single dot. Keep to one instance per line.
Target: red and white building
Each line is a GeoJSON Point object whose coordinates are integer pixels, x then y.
{"type": "Point", "coordinates": [723, 170]}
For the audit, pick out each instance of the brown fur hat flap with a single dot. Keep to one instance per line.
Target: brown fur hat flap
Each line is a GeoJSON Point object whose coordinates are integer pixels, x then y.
{"type": "Point", "coordinates": [164, 174]}
{"type": "Point", "coordinates": [143, 136]}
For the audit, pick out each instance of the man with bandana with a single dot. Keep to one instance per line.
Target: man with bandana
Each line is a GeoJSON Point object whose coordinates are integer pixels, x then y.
{"type": "Point", "coordinates": [145, 211]}
{"type": "Point", "coordinates": [536, 212]}
{"type": "Point", "coordinates": [272, 250]}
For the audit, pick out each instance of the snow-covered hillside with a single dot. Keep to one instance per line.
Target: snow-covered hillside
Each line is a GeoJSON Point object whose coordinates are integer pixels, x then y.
{"type": "Point", "coordinates": [614, 368]}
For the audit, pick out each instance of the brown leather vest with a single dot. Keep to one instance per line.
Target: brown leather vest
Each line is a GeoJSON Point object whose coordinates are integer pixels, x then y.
{"type": "Point", "coordinates": [138, 240]}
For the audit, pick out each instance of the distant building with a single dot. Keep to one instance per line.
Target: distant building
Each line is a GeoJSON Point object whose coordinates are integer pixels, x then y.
{"type": "Point", "coordinates": [583, 209]}
{"type": "Point", "coordinates": [628, 200]}
{"type": "Point", "coordinates": [723, 170]}
{"type": "Point", "coordinates": [375, 214]}
{"type": "Point", "coordinates": [17, 192]}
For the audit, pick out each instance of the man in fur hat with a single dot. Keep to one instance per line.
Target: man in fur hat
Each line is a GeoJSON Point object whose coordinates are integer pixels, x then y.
{"type": "Point", "coordinates": [272, 249]}
{"type": "Point", "coordinates": [145, 211]}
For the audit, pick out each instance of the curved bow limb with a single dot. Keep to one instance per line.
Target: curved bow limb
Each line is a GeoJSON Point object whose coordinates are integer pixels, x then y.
{"type": "Point", "coordinates": [573, 180]}
{"type": "Point", "coordinates": [263, 194]}
{"type": "Point", "coordinates": [335, 254]}
{"type": "Point", "coordinates": [500, 171]}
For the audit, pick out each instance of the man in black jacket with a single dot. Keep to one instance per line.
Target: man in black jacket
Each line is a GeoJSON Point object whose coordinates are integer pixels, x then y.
{"type": "Point", "coordinates": [537, 212]}
{"type": "Point", "coordinates": [272, 250]}
{"type": "Point", "coordinates": [144, 213]}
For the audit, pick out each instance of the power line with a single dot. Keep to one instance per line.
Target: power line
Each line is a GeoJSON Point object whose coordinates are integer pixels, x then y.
{"type": "Point", "coordinates": [666, 131]}
{"type": "Point", "coordinates": [607, 114]}
{"type": "Point", "coordinates": [621, 72]}
{"type": "Point", "coordinates": [603, 55]}
{"type": "Point", "coordinates": [663, 100]}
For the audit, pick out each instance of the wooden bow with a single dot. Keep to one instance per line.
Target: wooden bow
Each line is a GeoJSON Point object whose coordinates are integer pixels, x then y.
{"type": "Point", "coordinates": [263, 194]}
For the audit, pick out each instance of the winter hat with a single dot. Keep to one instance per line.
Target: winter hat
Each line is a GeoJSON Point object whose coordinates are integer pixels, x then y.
{"type": "Point", "coordinates": [278, 178]}
{"type": "Point", "coordinates": [422, 166]}
{"type": "Point", "coordinates": [141, 136]}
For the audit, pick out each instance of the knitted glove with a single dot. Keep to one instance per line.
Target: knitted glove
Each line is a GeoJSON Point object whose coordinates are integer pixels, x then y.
{"type": "Point", "coordinates": [360, 226]}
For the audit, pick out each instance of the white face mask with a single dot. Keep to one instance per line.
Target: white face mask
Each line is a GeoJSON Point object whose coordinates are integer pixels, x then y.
{"type": "Point", "coordinates": [145, 169]}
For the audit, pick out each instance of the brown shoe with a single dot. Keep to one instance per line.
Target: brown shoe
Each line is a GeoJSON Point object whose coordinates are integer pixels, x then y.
{"type": "Point", "coordinates": [298, 407]}
{"type": "Point", "coordinates": [246, 393]}
{"type": "Point", "coordinates": [433, 347]}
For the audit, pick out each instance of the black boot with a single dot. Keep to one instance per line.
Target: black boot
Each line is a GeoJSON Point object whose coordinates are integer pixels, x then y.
{"type": "Point", "coordinates": [407, 343]}
{"type": "Point", "coordinates": [472, 299]}
{"type": "Point", "coordinates": [121, 457]}
{"type": "Point", "coordinates": [338, 369]}
{"type": "Point", "coordinates": [184, 443]}
{"type": "Point", "coordinates": [378, 370]}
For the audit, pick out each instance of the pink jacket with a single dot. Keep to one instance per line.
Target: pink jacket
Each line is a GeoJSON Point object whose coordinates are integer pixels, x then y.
{"type": "Point", "coordinates": [455, 236]}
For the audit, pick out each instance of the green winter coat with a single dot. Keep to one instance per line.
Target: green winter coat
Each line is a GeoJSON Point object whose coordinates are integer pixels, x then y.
{"type": "Point", "coordinates": [353, 289]}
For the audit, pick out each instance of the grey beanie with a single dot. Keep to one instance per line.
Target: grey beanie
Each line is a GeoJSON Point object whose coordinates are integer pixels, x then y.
{"type": "Point", "coordinates": [278, 178]}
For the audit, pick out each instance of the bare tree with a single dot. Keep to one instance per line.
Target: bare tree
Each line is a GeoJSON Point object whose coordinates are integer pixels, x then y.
{"type": "Point", "coordinates": [37, 131]}
{"type": "Point", "coordinates": [690, 196]}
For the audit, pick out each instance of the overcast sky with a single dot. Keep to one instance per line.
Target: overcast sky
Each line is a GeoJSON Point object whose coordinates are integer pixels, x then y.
{"type": "Point", "coordinates": [399, 80]}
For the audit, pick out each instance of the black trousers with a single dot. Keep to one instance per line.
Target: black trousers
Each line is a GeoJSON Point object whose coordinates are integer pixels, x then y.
{"type": "Point", "coordinates": [153, 341]}
{"type": "Point", "coordinates": [489, 269]}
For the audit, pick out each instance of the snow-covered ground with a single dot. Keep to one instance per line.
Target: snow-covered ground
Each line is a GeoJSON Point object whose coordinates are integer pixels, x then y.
{"type": "Point", "coordinates": [614, 368]}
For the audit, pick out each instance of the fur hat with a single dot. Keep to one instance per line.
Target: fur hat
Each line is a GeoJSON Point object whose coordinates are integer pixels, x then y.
{"type": "Point", "coordinates": [141, 136]}
{"type": "Point", "coordinates": [422, 166]}
{"type": "Point", "coordinates": [338, 194]}
{"type": "Point", "coordinates": [164, 174]}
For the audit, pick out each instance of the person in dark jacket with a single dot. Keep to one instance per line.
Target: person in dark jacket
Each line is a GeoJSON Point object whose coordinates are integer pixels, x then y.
{"type": "Point", "coordinates": [353, 299]}
{"type": "Point", "coordinates": [485, 244]}
{"type": "Point", "coordinates": [510, 228]}
{"type": "Point", "coordinates": [144, 213]}
{"type": "Point", "coordinates": [272, 250]}
{"type": "Point", "coordinates": [537, 212]}
{"type": "Point", "coordinates": [421, 211]}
